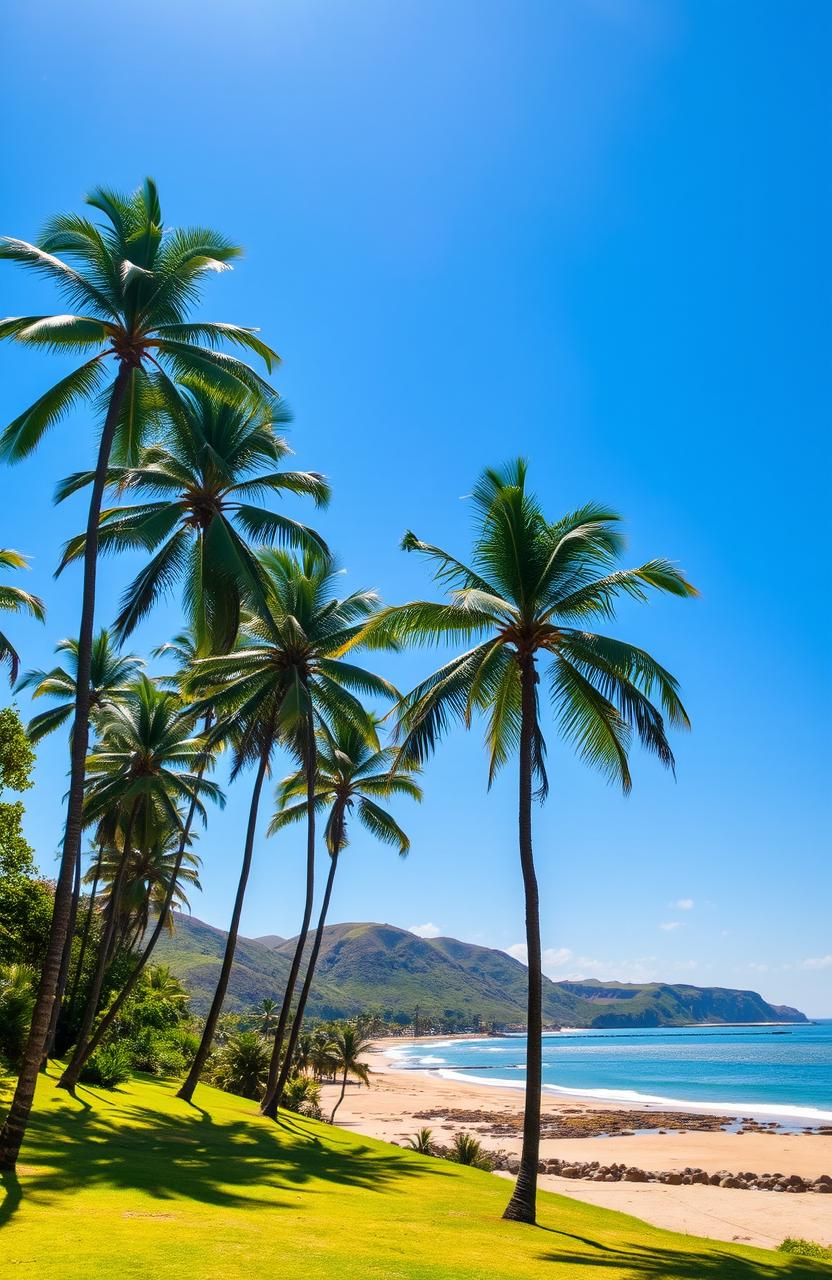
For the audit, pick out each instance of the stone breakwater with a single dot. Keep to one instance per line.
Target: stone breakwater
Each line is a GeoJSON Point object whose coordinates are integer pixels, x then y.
{"type": "Point", "coordinates": [594, 1171]}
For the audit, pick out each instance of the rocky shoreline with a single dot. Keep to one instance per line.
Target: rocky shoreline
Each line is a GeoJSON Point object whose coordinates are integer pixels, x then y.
{"type": "Point", "coordinates": [594, 1171]}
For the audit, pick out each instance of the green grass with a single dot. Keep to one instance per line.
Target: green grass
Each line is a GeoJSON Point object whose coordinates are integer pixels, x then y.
{"type": "Point", "coordinates": [138, 1184]}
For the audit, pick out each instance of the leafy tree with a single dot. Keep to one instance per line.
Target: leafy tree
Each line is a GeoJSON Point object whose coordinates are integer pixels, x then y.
{"type": "Point", "coordinates": [351, 777]}
{"type": "Point", "coordinates": [15, 600]}
{"type": "Point", "coordinates": [531, 588]}
{"type": "Point", "coordinates": [17, 999]}
{"type": "Point", "coordinates": [346, 1050]}
{"type": "Point", "coordinates": [276, 685]}
{"type": "Point", "coordinates": [25, 900]}
{"type": "Point", "coordinates": [136, 282]}
{"type": "Point", "coordinates": [110, 674]}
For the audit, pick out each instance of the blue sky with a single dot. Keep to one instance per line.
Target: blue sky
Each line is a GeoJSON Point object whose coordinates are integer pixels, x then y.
{"type": "Point", "coordinates": [594, 233]}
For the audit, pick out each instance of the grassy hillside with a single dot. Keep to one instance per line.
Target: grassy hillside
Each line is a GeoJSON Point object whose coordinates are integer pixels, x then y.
{"type": "Point", "coordinates": [364, 966]}
{"type": "Point", "coordinates": [137, 1183]}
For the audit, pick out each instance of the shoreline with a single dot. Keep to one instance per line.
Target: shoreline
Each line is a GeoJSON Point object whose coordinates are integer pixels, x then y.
{"type": "Point", "coordinates": [401, 1101]}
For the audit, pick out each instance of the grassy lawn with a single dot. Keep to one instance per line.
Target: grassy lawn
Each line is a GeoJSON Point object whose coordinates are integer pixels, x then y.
{"type": "Point", "coordinates": [135, 1183]}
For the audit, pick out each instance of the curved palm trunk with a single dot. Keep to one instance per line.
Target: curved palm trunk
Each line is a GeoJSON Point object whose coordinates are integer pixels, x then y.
{"type": "Point", "coordinates": [85, 936]}
{"type": "Point", "coordinates": [14, 1128]}
{"type": "Point", "coordinates": [70, 1077]}
{"type": "Point", "coordinates": [204, 1049]}
{"type": "Point", "coordinates": [63, 974]}
{"type": "Point", "coordinates": [340, 1096]}
{"type": "Point", "coordinates": [522, 1206]}
{"type": "Point", "coordinates": [269, 1105]}
{"type": "Point", "coordinates": [116, 1006]}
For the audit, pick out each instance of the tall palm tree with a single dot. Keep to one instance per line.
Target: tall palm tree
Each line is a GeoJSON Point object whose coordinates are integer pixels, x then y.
{"type": "Point", "coordinates": [196, 511]}
{"type": "Point", "coordinates": [530, 589]}
{"type": "Point", "coordinates": [147, 764]}
{"type": "Point", "coordinates": [154, 882]}
{"type": "Point", "coordinates": [110, 674]}
{"type": "Point", "coordinates": [280, 681]}
{"type": "Point", "coordinates": [350, 779]}
{"type": "Point", "coordinates": [265, 1014]}
{"type": "Point", "coordinates": [345, 1051]}
{"type": "Point", "coordinates": [12, 600]}
{"type": "Point", "coordinates": [136, 281]}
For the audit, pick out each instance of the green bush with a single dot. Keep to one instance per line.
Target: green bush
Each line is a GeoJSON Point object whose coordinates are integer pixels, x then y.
{"type": "Point", "coordinates": [17, 1000]}
{"type": "Point", "coordinates": [422, 1142]}
{"type": "Point", "coordinates": [466, 1149]}
{"type": "Point", "coordinates": [805, 1249]}
{"type": "Point", "coordinates": [241, 1065]}
{"type": "Point", "coordinates": [109, 1066]}
{"type": "Point", "coordinates": [303, 1095]}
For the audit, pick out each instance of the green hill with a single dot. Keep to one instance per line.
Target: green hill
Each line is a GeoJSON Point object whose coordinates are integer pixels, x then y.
{"type": "Point", "coordinates": [136, 1183]}
{"type": "Point", "coordinates": [381, 967]}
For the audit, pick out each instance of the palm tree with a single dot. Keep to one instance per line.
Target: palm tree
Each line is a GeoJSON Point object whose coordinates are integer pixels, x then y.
{"type": "Point", "coordinates": [196, 514]}
{"type": "Point", "coordinates": [528, 584]}
{"type": "Point", "coordinates": [110, 674]}
{"type": "Point", "coordinates": [347, 1047]}
{"type": "Point", "coordinates": [265, 1014]}
{"type": "Point", "coordinates": [12, 600]}
{"type": "Point", "coordinates": [154, 882]}
{"type": "Point", "coordinates": [136, 281]}
{"type": "Point", "coordinates": [350, 777]}
{"type": "Point", "coordinates": [280, 680]}
{"type": "Point", "coordinates": [147, 762]}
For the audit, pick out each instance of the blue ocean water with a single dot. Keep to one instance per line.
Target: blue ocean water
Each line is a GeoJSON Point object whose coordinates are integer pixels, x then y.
{"type": "Point", "coordinates": [778, 1073]}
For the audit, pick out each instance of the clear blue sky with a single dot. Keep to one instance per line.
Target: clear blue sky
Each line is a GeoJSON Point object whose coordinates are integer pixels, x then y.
{"type": "Point", "coordinates": [592, 232]}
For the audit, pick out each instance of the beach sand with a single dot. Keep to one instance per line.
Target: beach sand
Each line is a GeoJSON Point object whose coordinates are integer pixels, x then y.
{"type": "Point", "coordinates": [388, 1110]}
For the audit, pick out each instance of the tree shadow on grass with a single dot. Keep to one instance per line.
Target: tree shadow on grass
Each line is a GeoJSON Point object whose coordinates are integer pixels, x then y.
{"type": "Point", "coordinates": [649, 1262]}
{"type": "Point", "coordinates": [229, 1163]}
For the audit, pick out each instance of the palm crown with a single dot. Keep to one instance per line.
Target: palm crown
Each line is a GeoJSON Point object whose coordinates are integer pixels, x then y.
{"type": "Point", "coordinates": [13, 600]}
{"type": "Point", "coordinates": [198, 484]}
{"type": "Point", "coordinates": [529, 589]}
{"type": "Point", "coordinates": [136, 281]}
{"type": "Point", "coordinates": [110, 674]}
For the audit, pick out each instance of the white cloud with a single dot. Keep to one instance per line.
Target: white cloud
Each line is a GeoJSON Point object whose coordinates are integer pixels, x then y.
{"type": "Point", "coordinates": [670, 925]}
{"type": "Point", "coordinates": [427, 930]}
{"type": "Point", "coordinates": [818, 962]}
{"type": "Point", "coordinates": [683, 904]}
{"type": "Point", "coordinates": [562, 965]}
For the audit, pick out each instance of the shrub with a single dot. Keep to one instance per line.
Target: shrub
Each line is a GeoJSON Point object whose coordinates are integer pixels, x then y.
{"type": "Point", "coordinates": [422, 1142]}
{"type": "Point", "coordinates": [241, 1065]}
{"type": "Point", "coordinates": [466, 1149]}
{"type": "Point", "coordinates": [17, 1000]}
{"type": "Point", "coordinates": [805, 1249]}
{"type": "Point", "coordinates": [303, 1095]}
{"type": "Point", "coordinates": [108, 1066]}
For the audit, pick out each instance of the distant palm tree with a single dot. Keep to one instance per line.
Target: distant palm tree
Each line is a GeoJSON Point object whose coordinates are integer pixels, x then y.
{"type": "Point", "coordinates": [137, 282]}
{"type": "Point", "coordinates": [154, 881]}
{"type": "Point", "coordinates": [350, 777]}
{"type": "Point", "coordinates": [146, 764]}
{"type": "Point", "coordinates": [276, 685]}
{"type": "Point", "coordinates": [347, 1048]}
{"type": "Point", "coordinates": [265, 1013]}
{"type": "Point", "coordinates": [12, 600]}
{"type": "Point", "coordinates": [531, 587]}
{"type": "Point", "coordinates": [196, 512]}
{"type": "Point", "coordinates": [110, 674]}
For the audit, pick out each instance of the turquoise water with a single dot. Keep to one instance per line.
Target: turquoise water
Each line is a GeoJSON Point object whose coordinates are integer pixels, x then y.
{"type": "Point", "coordinates": [775, 1073]}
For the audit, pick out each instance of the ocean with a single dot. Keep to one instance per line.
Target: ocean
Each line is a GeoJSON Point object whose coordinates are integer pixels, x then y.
{"type": "Point", "coordinates": [775, 1073]}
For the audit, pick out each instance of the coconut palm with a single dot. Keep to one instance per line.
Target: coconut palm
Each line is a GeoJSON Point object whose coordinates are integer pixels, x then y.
{"type": "Point", "coordinates": [350, 779]}
{"type": "Point", "coordinates": [196, 511]}
{"type": "Point", "coordinates": [529, 591]}
{"type": "Point", "coordinates": [265, 1015]}
{"type": "Point", "coordinates": [136, 282]}
{"type": "Point", "coordinates": [148, 763]}
{"type": "Point", "coordinates": [154, 882]}
{"type": "Point", "coordinates": [13, 600]}
{"type": "Point", "coordinates": [277, 684]}
{"type": "Point", "coordinates": [110, 674]}
{"type": "Point", "coordinates": [346, 1049]}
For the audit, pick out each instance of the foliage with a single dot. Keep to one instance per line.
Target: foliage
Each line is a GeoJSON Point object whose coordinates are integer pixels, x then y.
{"type": "Point", "coordinates": [25, 900]}
{"type": "Point", "coordinates": [108, 1066]}
{"type": "Point", "coordinates": [423, 1142]}
{"type": "Point", "coordinates": [302, 1094]}
{"type": "Point", "coordinates": [466, 1149]}
{"type": "Point", "coordinates": [241, 1064]}
{"type": "Point", "coordinates": [110, 674]}
{"type": "Point", "coordinates": [17, 999]}
{"type": "Point", "coordinates": [15, 600]}
{"type": "Point", "coordinates": [805, 1249]}
{"type": "Point", "coordinates": [17, 758]}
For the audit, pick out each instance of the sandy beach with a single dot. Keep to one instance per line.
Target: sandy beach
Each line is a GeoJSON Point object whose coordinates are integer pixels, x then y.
{"type": "Point", "coordinates": [391, 1107]}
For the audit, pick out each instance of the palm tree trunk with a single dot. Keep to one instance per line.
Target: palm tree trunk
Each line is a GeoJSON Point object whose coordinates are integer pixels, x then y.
{"type": "Point", "coordinates": [79, 966]}
{"type": "Point", "coordinates": [70, 1077]}
{"type": "Point", "coordinates": [14, 1129]}
{"type": "Point", "coordinates": [277, 1049]}
{"type": "Point", "coordinates": [271, 1104]}
{"type": "Point", "coordinates": [202, 1052]}
{"type": "Point", "coordinates": [63, 974]}
{"type": "Point", "coordinates": [116, 1006]}
{"type": "Point", "coordinates": [340, 1096]}
{"type": "Point", "coordinates": [522, 1206]}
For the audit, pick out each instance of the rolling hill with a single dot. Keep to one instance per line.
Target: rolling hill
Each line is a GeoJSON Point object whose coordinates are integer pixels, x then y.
{"type": "Point", "coordinates": [384, 968]}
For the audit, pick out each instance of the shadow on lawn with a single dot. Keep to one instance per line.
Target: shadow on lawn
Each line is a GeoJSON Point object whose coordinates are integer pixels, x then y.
{"type": "Point", "coordinates": [651, 1263]}
{"type": "Point", "coordinates": [244, 1162]}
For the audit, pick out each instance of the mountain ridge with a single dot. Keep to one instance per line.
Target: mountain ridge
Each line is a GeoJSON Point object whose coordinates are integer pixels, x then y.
{"type": "Point", "coordinates": [367, 966]}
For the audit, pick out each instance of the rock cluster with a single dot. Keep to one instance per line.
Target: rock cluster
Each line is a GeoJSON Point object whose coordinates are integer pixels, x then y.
{"type": "Point", "coordinates": [593, 1171]}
